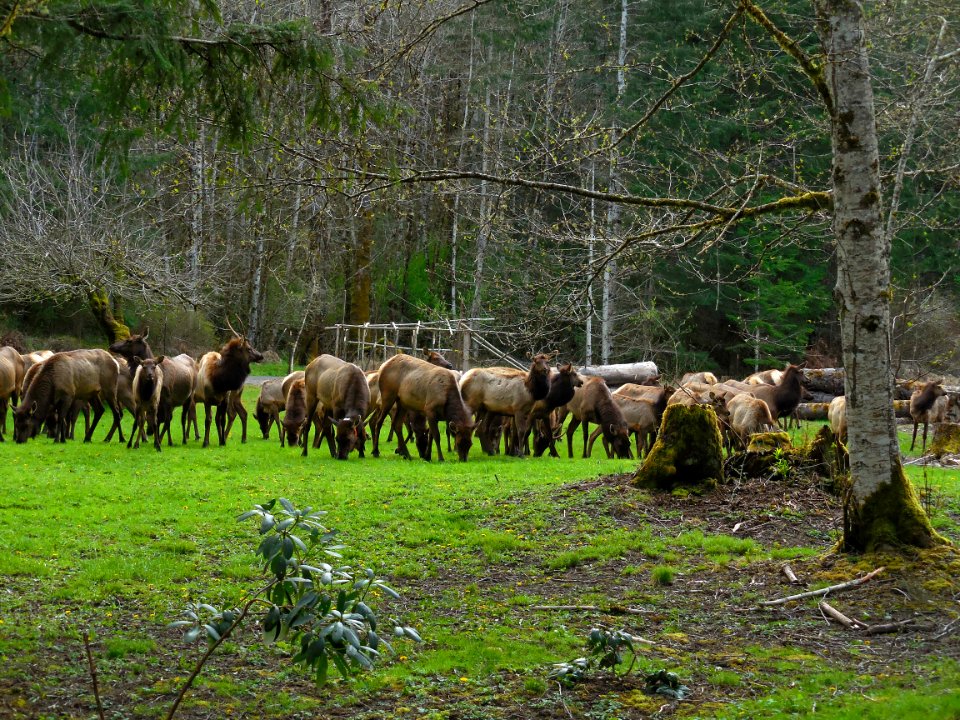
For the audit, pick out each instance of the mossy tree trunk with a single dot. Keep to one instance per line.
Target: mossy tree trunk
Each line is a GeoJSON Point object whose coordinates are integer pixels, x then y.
{"type": "Point", "coordinates": [688, 451]}
{"type": "Point", "coordinates": [102, 308]}
{"type": "Point", "coordinates": [881, 508]}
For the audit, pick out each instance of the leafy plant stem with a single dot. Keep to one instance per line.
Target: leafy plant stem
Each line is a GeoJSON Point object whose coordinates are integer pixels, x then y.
{"type": "Point", "coordinates": [212, 648]}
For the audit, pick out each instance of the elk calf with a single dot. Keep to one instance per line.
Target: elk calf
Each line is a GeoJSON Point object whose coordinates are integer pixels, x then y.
{"type": "Point", "coordinates": [147, 385]}
{"type": "Point", "coordinates": [295, 414]}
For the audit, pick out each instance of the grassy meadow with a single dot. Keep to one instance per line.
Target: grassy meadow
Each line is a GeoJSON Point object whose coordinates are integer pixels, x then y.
{"type": "Point", "coordinates": [503, 566]}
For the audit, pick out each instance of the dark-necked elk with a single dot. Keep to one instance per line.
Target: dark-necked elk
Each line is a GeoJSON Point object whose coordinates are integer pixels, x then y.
{"type": "Point", "coordinates": [416, 386]}
{"type": "Point", "coordinates": [593, 403]}
{"type": "Point", "coordinates": [220, 374]}
{"type": "Point", "coordinates": [337, 390]}
{"type": "Point", "coordinates": [928, 405]}
{"type": "Point", "coordinates": [782, 398]}
{"type": "Point", "coordinates": [179, 378]}
{"type": "Point", "coordinates": [563, 384]}
{"type": "Point", "coordinates": [11, 380]}
{"type": "Point", "coordinates": [61, 382]}
{"type": "Point", "coordinates": [147, 385]}
{"type": "Point", "coordinates": [497, 391]}
{"type": "Point", "coordinates": [295, 415]}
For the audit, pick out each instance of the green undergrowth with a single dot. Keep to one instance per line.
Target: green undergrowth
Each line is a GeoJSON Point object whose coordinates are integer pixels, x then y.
{"type": "Point", "coordinates": [492, 558]}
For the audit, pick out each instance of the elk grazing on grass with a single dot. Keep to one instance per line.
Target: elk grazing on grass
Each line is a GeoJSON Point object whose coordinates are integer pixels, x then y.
{"type": "Point", "coordinates": [60, 383]}
{"type": "Point", "coordinates": [416, 386]}
{"type": "Point", "coordinates": [748, 415]}
{"type": "Point", "coordinates": [593, 403]}
{"type": "Point", "coordinates": [505, 391]}
{"type": "Point", "coordinates": [219, 375]}
{"type": "Point", "coordinates": [929, 404]}
{"type": "Point", "coordinates": [642, 418]}
{"type": "Point", "coordinates": [11, 380]}
{"type": "Point", "coordinates": [270, 403]}
{"type": "Point", "coordinates": [147, 386]}
{"type": "Point", "coordinates": [295, 415]}
{"type": "Point", "coordinates": [338, 391]}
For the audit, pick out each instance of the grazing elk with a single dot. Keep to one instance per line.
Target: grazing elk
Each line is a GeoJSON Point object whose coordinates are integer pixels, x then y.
{"type": "Point", "coordinates": [338, 390]}
{"type": "Point", "coordinates": [61, 382]}
{"type": "Point", "coordinates": [416, 386]}
{"type": "Point", "coordinates": [219, 375]}
{"type": "Point", "coordinates": [11, 380]}
{"type": "Point", "coordinates": [593, 403]}
{"type": "Point", "coordinates": [782, 398]}
{"type": "Point", "coordinates": [748, 415]}
{"type": "Point", "coordinates": [270, 402]}
{"type": "Point", "coordinates": [642, 418]}
{"type": "Point", "coordinates": [147, 386]}
{"type": "Point", "coordinates": [929, 404]}
{"type": "Point", "coordinates": [505, 391]}
{"type": "Point", "coordinates": [295, 415]}
{"type": "Point", "coordinates": [30, 359]}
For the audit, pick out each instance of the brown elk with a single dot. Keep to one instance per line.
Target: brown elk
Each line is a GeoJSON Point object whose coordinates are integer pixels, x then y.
{"type": "Point", "coordinates": [928, 405]}
{"type": "Point", "coordinates": [707, 378]}
{"type": "Point", "coordinates": [642, 418]}
{"type": "Point", "coordinates": [32, 358]}
{"type": "Point", "coordinates": [748, 415]}
{"type": "Point", "coordinates": [593, 403]}
{"type": "Point", "coordinates": [179, 378]}
{"type": "Point", "coordinates": [563, 384]}
{"type": "Point", "coordinates": [11, 380]}
{"type": "Point", "coordinates": [416, 386]}
{"type": "Point", "coordinates": [338, 390]}
{"type": "Point", "coordinates": [147, 386]}
{"type": "Point", "coordinates": [60, 382]}
{"type": "Point", "coordinates": [220, 374]}
{"type": "Point", "coordinates": [782, 398]}
{"type": "Point", "coordinates": [270, 403]}
{"type": "Point", "coordinates": [505, 391]}
{"type": "Point", "coordinates": [295, 415]}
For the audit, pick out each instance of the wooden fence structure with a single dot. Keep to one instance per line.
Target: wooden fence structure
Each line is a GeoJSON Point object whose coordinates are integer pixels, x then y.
{"type": "Point", "coordinates": [461, 341]}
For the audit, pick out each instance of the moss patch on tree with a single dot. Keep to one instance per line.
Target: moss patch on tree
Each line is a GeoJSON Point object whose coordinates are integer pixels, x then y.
{"type": "Point", "coordinates": [688, 451]}
{"type": "Point", "coordinates": [113, 329]}
{"type": "Point", "coordinates": [889, 519]}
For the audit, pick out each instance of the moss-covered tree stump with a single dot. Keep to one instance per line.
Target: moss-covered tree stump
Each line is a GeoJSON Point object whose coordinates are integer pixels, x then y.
{"type": "Point", "coordinates": [688, 451]}
{"type": "Point", "coordinates": [946, 440]}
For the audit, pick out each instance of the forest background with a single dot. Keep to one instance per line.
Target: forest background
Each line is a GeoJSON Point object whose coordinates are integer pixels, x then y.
{"type": "Point", "coordinates": [296, 165]}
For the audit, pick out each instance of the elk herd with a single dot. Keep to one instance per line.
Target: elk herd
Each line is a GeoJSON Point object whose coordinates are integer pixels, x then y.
{"type": "Point", "coordinates": [504, 407]}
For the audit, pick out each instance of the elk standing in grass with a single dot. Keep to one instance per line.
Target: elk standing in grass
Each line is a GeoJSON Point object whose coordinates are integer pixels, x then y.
{"type": "Point", "coordinates": [219, 375]}
{"type": "Point", "coordinates": [416, 386]}
{"type": "Point", "coordinates": [928, 405]}
{"type": "Point", "coordinates": [147, 386]}
{"type": "Point", "coordinates": [295, 414]}
{"type": "Point", "coordinates": [336, 390]}
{"type": "Point", "coordinates": [593, 403]}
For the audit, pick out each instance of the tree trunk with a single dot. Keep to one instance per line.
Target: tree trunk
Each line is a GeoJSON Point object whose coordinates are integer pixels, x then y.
{"type": "Point", "coordinates": [881, 508]}
{"type": "Point", "coordinates": [113, 329]}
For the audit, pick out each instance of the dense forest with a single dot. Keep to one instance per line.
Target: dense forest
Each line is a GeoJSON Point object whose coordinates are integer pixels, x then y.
{"type": "Point", "coordinates": [299, 164]}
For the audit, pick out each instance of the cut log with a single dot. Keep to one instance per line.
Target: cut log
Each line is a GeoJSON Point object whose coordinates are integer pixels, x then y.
{"type": "Point", "coordinates": [616, 375]}
{"type": "Point", "coordinates": [813, 411]}
{"type": "Point", "coordinates": [824, 380]}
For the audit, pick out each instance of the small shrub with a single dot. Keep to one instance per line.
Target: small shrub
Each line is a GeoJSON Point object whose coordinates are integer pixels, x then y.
{"type": "Point", "coordinates": [662, 575]}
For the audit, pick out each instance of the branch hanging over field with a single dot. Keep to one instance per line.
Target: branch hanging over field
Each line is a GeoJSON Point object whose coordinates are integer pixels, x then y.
{"type": "Point", "coordinates": [812, 200]}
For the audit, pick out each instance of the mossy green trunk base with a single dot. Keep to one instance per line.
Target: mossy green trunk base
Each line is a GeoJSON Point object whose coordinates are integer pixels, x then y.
{"type": "Point", "coordinates": [946, 440]}
{"type": "Point", "coordinates": [889, 519]}
{"type": "Point", "coordinates": [688, 451]}
{"type": "Point", "coordinates": [113, 329]}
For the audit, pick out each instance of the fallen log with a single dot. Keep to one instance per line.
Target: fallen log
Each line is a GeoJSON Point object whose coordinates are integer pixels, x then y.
{"type": "Point", "coordinates": [623, 373]}
{"type": "Point", "coordinates": [824, 380]}
{"type": "Point", "coordinates": [823, 591]}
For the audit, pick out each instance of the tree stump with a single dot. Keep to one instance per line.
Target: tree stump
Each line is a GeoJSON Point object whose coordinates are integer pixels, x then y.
{"type": "Point", "coordinates": [688, 451]}
{"type": "Point", "coordinates": [946, 440]}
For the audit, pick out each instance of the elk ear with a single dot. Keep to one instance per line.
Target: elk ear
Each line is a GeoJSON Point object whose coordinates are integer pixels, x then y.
{"type": "Point", "coordinates": [33, 407]}
{"type": "Point", "coordinates": [137, 359]}
{"type": "Point", "coordinates": [160, 359]}
{"type": "Point", "coordinates": [146, 333]}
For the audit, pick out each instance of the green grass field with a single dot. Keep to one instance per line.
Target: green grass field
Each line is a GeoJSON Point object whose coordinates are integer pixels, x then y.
{"type": "Point", "coordinates": [113, 541]}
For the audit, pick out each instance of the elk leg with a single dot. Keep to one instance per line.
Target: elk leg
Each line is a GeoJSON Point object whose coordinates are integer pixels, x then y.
{"type": "Point", "coordinates": [593, 439]}
{"type": "Point", "coordinates": [3, 416]}
{"type": "Point", "coordinates": [435, 436]}
{"type": "Point", "coordinates": [914, 441]}
{"type": "Point", "coordinates": [97, 414]}
{"type": "Point", "coordinates": [401, 443]}
{"type": "Point", "coordinates": [305, 428]}
{"type": "Point", "coordinates": [208, 416]}
{"type": "Point", "coordinates": [925, 426]}
{"type": "Point", "coordinates": [242, 412]}
{"type": "Point", "coordinates": [571, 428]}
{"type": "Point", "coordinates": [223, 409]}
